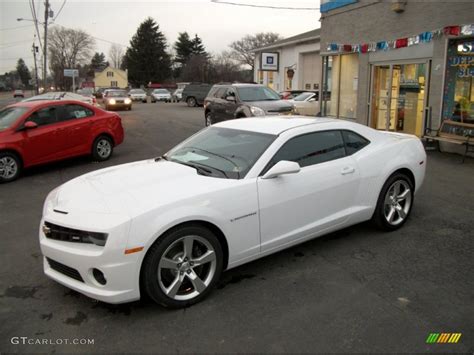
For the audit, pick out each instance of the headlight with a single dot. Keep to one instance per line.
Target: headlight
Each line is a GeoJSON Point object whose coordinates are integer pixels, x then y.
{"type": "Point", "coordinates": [112, 101]}
{"type": "Point", "coordinates": [257, 111]}
{"type": "Point", "coordinates": [127, 101]}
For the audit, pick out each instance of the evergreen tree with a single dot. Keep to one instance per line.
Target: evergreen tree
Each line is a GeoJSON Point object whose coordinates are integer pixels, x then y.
{"type": "Point", "coordinates": [23, 72]}
{"type": "Point", "coordinates": [197, 47]}
{"type": "Point", "coordinates": [183, 47]}
{"type": "Point", "coordinates": [146, 58]}
{"type": "Point", "coordinates": [98, 62]}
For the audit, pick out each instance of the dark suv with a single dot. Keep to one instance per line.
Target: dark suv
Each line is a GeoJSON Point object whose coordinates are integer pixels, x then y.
{"type": "Point", "coordinates": [229, 101]}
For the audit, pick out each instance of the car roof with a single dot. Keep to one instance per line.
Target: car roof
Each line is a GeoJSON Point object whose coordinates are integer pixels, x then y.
{"type": "Point", "coordinates": [273, 125]}
{"type": "Point", "coordinates": [33, 104]}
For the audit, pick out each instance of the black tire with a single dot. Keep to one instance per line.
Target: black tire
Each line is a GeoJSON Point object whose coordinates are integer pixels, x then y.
{"type": "Point", "coordinates": [208, 119]}
{"type": "Point", "coordinates": [379, 218]}
{"type": "Point", "coordinates": [151, 274]}
{"type": "Point", "coordinates": [191, 102]}
{"type": "Point", "coordinates": [10, 167]}
{"type": "Point", "coordinates": [102, 148]}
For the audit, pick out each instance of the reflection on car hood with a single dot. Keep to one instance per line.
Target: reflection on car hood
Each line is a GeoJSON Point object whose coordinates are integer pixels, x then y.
{"type": "Point", "coordinates": [135, 188]}
{"type": "Point", "coordinates": [272, 106]}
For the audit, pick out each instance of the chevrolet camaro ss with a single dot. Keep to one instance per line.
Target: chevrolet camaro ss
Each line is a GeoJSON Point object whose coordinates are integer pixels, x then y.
{"type": "Point", "coordinates": [231, 193]}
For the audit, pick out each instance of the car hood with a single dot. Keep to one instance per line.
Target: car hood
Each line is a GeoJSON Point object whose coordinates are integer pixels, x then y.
{"type": "Point", "coordinates": [134, 188]}
{"type": "Point", "coordinates": [272, 106]}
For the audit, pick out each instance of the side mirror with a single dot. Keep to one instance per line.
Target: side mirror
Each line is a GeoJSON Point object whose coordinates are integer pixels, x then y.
{"type": "Point", "coordinates": [281, 168]}
{"type": "Point", "coordinates": [30, 125]}
{"type": "Point", "coordinates": [230, 98]}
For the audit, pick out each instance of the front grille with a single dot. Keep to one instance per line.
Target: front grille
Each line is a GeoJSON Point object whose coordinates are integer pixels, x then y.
{"type": "Point", "coordinates": [65, 270]}
{"type": "Point", "coordinates": [119, 101]}
{"type": "Point", "coordinates": [53, 231]}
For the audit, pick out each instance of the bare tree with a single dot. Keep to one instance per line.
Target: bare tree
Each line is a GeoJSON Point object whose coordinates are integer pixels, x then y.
{"type": "Point", "coordinates": [115, 55]}
{"type": "Point", "coordinates": [242, 49]}
{"type": "Point", "coordinates": [68, 49]}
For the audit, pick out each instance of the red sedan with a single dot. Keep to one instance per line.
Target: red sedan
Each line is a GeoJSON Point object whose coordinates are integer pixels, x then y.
{"type": "Point", "coordinates": [37, 132]}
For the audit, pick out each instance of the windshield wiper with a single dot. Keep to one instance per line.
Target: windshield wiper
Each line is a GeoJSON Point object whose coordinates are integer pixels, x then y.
{"type": "Point", "coordinates": [203, 170]}
{"type": "Point", "coordinates": [220, 156]}
{"type": "Point", "coordinates": [163, 157]}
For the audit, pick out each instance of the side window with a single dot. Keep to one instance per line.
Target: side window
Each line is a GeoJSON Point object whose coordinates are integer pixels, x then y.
{"type": "Point", "coordinates": [44, 116]}
{"type": "Point", "coordinates": [220, 93]}
{"type": "Point", "coordinates": [313, 148]}
{"type": "Point", "coordinates": [230, 92]}
{"type": "Point", "coordinates": [353, 142]}
{"type": "Point", "coordinates": [72, 111]}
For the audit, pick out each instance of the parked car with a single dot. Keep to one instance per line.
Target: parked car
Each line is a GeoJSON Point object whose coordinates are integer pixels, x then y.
{"type": "Point", "coordinates": [160, 95]}
{"type": "Point", "coordinates": [116, 99]}
{"type": "Point", "coordinates": [306, 104]}
{"type": "Point", "coordinates": [195, 93]}
{"type": "Point", "coordinates": [229, 101]}
{"type": "Point", "coordinates": [291, 94]}
{"type": "Point", "coordinates": [230, 194]}
{"type": "Point", "coordinates": [62, 95]}
{"type": "Point", "coordinates": [37, 132]}
{"type": "Point", "coordinates": [138, 95]}
{"type": "Point", "coordinates": [18, 93]}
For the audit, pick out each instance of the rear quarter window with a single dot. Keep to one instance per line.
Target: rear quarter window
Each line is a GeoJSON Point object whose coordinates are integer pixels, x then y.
{"type": "Point", "coordinates": [353, 142]}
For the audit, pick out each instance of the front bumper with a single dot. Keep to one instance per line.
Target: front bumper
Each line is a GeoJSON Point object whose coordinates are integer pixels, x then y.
{"type": "Point", "coordinates": [121, 271]}
{"type": "Point", "coordinates": [161, 98]}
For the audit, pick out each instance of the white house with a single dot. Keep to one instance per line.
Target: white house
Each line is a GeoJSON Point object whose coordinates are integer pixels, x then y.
{"type": "Point", "coordinates": [293, 63]}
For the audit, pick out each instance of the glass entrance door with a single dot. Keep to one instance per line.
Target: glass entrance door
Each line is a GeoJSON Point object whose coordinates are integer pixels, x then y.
{"type": "Point", "coordinates": [398, 97]}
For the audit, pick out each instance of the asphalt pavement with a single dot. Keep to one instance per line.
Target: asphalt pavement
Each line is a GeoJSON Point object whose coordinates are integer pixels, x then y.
{"type": "Point", "coordinates": [356, 290]}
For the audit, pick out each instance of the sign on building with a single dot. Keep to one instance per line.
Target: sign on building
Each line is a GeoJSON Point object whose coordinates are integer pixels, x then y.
{"type": "Point", "coordinates": [269, 61]}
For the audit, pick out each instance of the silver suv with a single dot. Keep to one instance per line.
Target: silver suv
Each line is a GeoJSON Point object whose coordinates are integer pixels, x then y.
{"type": "Point", "coordinates": [230, 101]}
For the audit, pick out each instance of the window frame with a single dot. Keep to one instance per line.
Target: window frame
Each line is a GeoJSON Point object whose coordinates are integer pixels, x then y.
{"type": "Point", "coordinates": [268, 166]}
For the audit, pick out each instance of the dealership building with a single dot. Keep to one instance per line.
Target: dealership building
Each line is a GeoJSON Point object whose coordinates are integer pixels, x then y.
{"type": "Point", "coordinates": [293, 63]}
{"type": "Point", "coordinates": [398, 65]}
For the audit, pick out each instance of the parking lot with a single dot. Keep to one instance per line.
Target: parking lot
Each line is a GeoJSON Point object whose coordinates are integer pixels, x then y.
{"type": "Point", "coordinates": [357, 290]}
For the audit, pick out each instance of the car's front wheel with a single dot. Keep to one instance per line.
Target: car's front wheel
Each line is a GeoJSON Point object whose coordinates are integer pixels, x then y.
{"type": "Point", "coordinates": [394, 203]}
{"type": "Point", "coordinates": [10, 167]}
{"type": "Point", "coordinates": [102, 148]}
{"type": "Point", "coordinates": [181, 268]}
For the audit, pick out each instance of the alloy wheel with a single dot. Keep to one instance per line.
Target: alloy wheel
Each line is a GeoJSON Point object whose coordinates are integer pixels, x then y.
{"type": "Point", "coordinates": [186, 268]}
{"type": "Point", "coordinates": [104, 148]}
{"type": "Point", "coordinates": [397, 202]}
{"type": "Point", "coordinates": [8, 167]}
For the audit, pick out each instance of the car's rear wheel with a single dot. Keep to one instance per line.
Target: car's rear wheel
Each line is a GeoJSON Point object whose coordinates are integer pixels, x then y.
{"type": "Point", "coordinates": [10, 167]}
{"type": "Point", "coordinates": [191, 101]}
{"type": "Point", "coordinates": [102, 148]}
{"type": "Point", "coordinates": [394, 203]}
{"type": "Point", "coordinates": [208, 119]}
{"type": "Point", "coordinates": [181, 268]}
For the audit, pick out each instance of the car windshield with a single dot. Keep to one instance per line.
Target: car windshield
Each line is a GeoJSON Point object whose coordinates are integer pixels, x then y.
{"type": "Point", "coordinates": [9, 115]}
{"type": "Point", "coordinates": [257, 93]}
{"type": "Point", "coordinates": [137, 91]}
{"type": "Point", "coordinates": [116, 94]}
{"type": "Point", "coordinates": [221, 152]}
{"type": "Point", "coordinates": [161, 91]}
{"type": "Point", "coordinates": [303, 96]}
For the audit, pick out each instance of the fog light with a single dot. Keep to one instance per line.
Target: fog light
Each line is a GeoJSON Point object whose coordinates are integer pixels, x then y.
{"type": "Point", "coordinates": [99, 276]}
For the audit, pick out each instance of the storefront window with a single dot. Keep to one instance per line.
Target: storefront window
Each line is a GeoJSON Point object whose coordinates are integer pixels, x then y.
{"type": "Point", "coordinates": [458, 102]}
{"type": "Point", "coordinates": [341, 81]}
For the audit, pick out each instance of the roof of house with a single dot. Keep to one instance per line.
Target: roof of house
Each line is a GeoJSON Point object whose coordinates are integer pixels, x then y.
{"type": "Point", "coordinates": [302, 37]}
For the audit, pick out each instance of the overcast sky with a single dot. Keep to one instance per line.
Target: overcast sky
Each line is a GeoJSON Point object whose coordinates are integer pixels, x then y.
{"type": "Point", "coordinates": [117, 21]}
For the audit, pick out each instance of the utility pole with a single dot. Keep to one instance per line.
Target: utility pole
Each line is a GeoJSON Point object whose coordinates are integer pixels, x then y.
{"type": "Point", "coordinates": [35, 49]}
{"type": "Point", "coordinates": [45, 43]}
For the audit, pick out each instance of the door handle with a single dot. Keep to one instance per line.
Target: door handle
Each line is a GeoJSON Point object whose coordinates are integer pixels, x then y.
{"type": "Point", "coordinates": [347, 170]}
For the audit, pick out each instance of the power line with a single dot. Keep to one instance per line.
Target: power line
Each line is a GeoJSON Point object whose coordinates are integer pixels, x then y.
{"type": "Point", "coordinates": [265, 6]}
{"type": "Point", "coordinates": [14, 28]}
{"type": "Point", "coordinates": [60, 9]}
{"type": "Point", "coordinates": [35, 19]}
{"type": "Point", "coordinates": [16, 42]}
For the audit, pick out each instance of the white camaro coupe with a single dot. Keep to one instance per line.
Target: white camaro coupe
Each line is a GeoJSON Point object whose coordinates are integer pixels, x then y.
{"type": "Point", "coordinates": [230, 194]}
